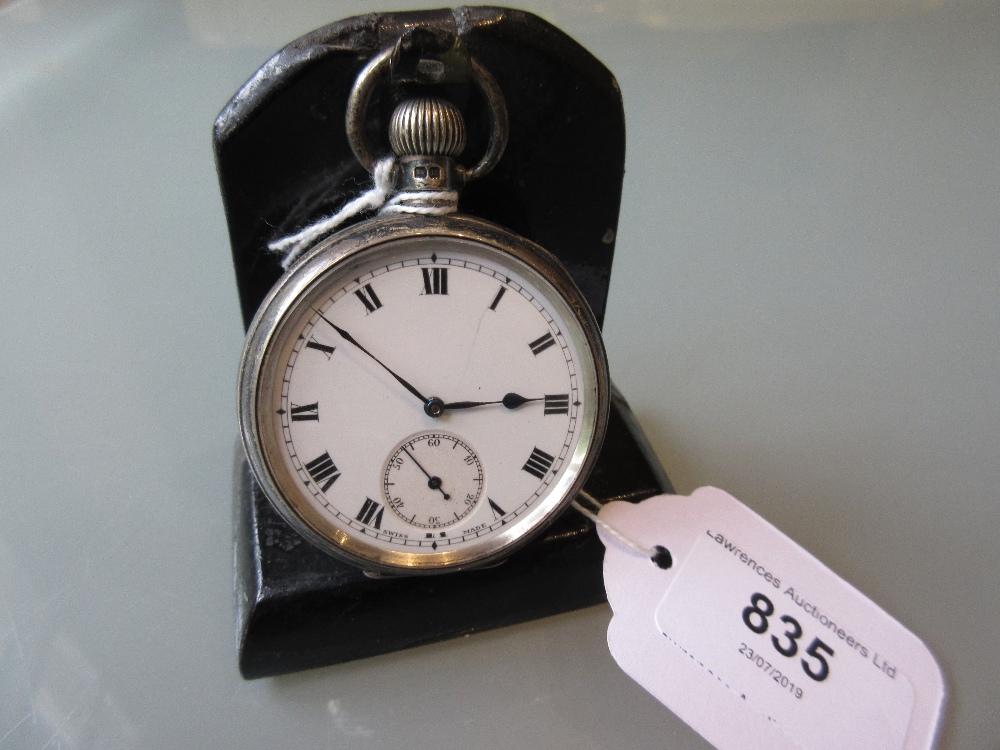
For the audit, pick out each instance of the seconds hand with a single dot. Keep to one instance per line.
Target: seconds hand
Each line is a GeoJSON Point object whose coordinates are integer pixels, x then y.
{"type": "Point", "coordinates": [349, 338]}
{"type": "Point", "coordinates": [433, 482]}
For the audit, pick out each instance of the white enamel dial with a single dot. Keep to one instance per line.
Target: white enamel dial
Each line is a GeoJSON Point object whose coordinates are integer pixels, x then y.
{"type": "Point", "coordinates": [424, 402]}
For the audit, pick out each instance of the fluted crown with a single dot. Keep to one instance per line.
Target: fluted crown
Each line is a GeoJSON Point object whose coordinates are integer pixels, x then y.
{"type": "Point", "coordinates": [427, 127]}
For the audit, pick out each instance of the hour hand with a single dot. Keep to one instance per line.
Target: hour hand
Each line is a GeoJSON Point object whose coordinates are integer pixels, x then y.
{"type": "Point", "coordinates": [510, 401]}
{"type": "Point", "coordinates": [350, 339]}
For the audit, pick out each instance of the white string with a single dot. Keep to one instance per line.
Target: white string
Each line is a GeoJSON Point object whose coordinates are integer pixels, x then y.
{"type": "Point", "coordinates": [429, 202]}
{"type": "Point", "coordinates": [630, 543]}
{"type": "Point", "coordinates": [294, 245]}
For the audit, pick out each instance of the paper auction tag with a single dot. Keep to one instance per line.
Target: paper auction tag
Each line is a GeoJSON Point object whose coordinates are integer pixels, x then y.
{"type": "Point", "coordinates": [754, 642]}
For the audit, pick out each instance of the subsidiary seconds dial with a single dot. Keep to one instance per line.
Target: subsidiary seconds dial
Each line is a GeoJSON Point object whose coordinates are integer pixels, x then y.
{"type": "Point", "coordinates": [423, 399]}
{"type": "Point", "coordinates": [433, 480]}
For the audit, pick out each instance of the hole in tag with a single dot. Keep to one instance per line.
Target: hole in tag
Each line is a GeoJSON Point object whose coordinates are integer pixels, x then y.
{"type": "Point", "coordinates": [662, 557]}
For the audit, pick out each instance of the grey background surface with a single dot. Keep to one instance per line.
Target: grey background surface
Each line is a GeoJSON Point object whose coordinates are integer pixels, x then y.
{"type": "Point", "coordinates": [804, 312]}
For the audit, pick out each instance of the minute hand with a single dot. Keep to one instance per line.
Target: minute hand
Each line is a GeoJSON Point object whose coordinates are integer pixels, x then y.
{"type": "Point", "coordinates": [349, 338]}
{"type": "Point", "coordinates": [510, 401]}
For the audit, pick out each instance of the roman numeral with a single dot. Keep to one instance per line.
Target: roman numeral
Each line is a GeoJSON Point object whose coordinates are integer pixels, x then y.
{"type": "Point", "coordinates": [370, 514]}
{"type": "Point", "coordinates": [310, 413]}
{"type": "Point", "coordinates": [435, 280]}
{"type": "Point", "coordinates": [322, 469]}
{"type": "Point", "coordinates": [498, 512]}
{"type": "Point", "coordinates": [314, 344]}
{"type": "Point", "coordinates": [496, 300]}
{"type": "Point", "coordinates": [539, 462]}
{"type": "Point", "coordinates": [541, 344]}
{"type": "Point", "coordinates": [367, 295]}
{"type": "Point", "coordinates": [557, 404]}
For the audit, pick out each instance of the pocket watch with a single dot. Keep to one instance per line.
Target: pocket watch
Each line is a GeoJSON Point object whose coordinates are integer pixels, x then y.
{"type": "Point", "coordinates": [423, 393]}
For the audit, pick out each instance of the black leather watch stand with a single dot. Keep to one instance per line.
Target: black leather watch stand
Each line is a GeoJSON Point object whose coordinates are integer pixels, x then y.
{"type": "Point", "coordinates": [300, 608]}
{"type": "Point", "coordinates": [284, 161]}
